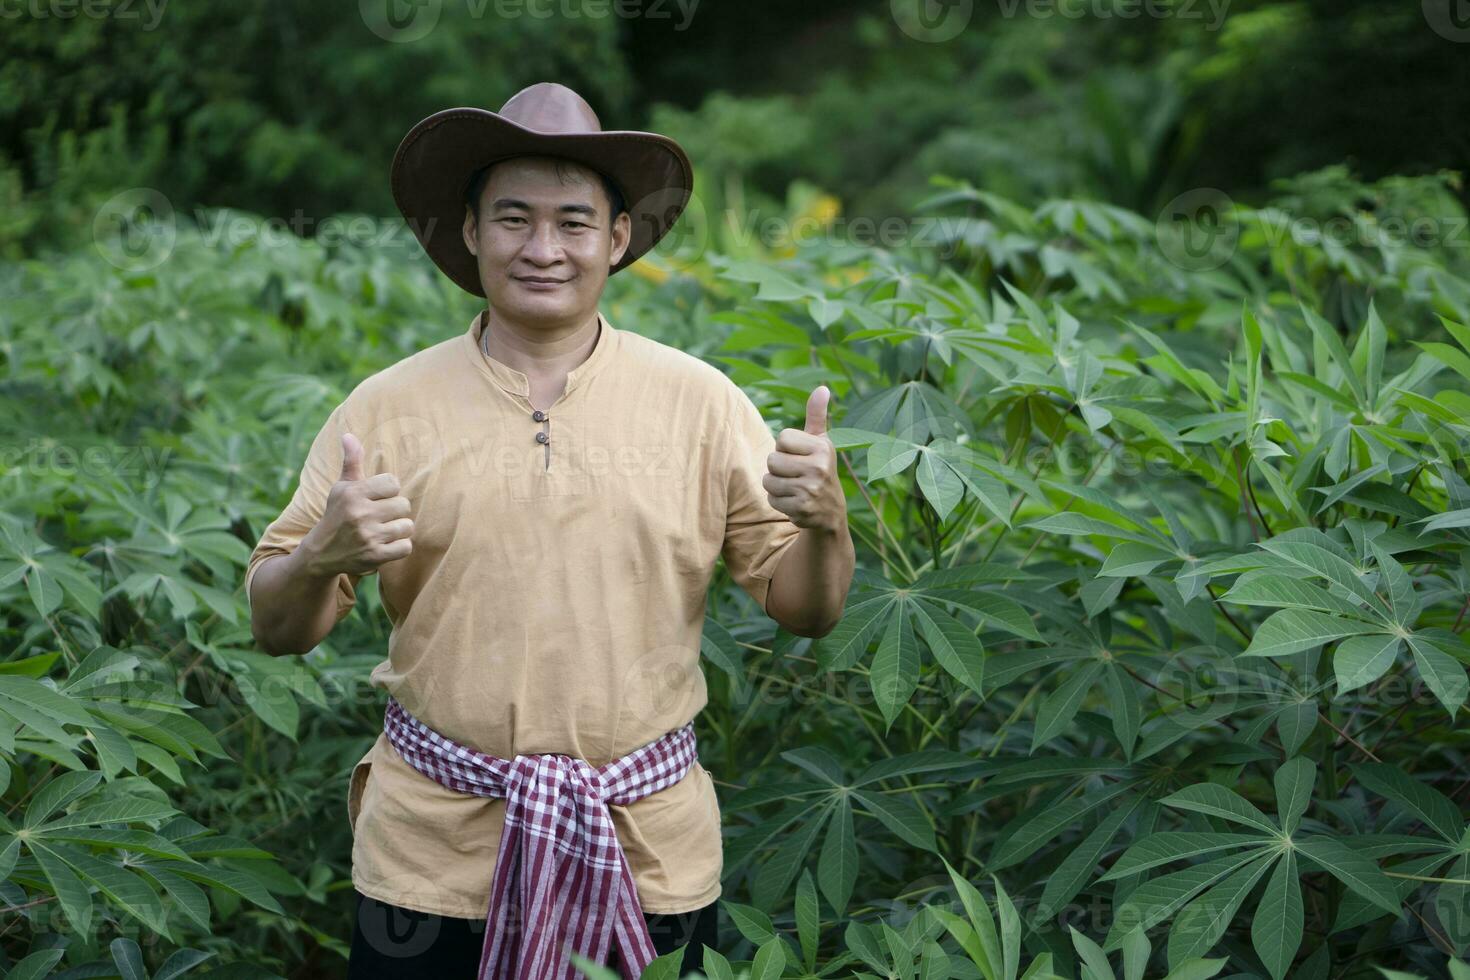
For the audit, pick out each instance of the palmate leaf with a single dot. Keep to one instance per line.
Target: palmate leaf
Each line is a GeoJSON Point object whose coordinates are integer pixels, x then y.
{"type": "Point", "coordinates": [1094, 960]}
{"type": "Point", "coordinates": [1276, 928]}
{"type": "Point", "coordinates": [1431, 807]}
{"type": "Point", "coordinates": [1063, 884]}
{"type": "Point", "coordinates": [1310, 551]}
{"type": "Point", "coordinates": [1201, 923]}
{"type": "Point", "coordinates": [774, 875]}
{"type": "Point", "coordinates": [1294, 781]}
{"type": "Point", "coordinates": [849, 639]}
{"type": "Point", "coordinates": [1268, 587]}
{"type": "Point", "coordinates": [895, 670]}
{"type": "Point", "coordinates": [1443, 673]}
{"type": "Point", "coordinates": [971, 470]}
{"type": "Point", "coordinates": [1217, 801]}
{"type": "Point", "coordinates": [954, 646]}
{"type": "Point", "coordinates": [837, 866]}
{"type": "Point", "coordinates": [721, 649]}
{"type": "Point", "coordinates": [1403, 601]}
{"type": "Point", "coordinates": [1035, 826]}
{"type": "Point", "coordinates": [940, 484]}
{"type": "Point", "coordinates": [1360, 660]}
{"type": "Point", "coordinates": [1060, 706]}
{"type": "Point", "coordinates": [996, 611]}
{"type": "Point", "coordinates": [1126, 710]}
{"type": "Point", "coordinates": [1352, 869]}
{"type": "Point", "coordinates": [1159, 898]}
{"type": "Point", "coordinates": [1452, 902]}
{"type": "Point", "coordinates": [1293, 630]}
{"type": "Point", "coordinates": [1172, 845]}
{"type": "Point", "coordinates": [901, 815]}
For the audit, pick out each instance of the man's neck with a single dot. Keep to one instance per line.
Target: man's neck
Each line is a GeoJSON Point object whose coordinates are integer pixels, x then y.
{"type": "Point", "coordinates": [540, 354]}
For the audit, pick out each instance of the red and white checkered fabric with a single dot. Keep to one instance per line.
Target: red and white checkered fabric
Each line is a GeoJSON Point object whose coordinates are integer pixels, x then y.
{"type": "Point", "coordinates": [561, 881]}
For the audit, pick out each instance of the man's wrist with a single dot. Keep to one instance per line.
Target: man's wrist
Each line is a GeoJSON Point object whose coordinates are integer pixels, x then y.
{"type": "Point", "coordinates": [309, 563]}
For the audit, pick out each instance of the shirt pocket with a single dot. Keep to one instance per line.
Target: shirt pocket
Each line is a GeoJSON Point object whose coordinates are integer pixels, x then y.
{"type": "Point", "coordinates": [355, 786]}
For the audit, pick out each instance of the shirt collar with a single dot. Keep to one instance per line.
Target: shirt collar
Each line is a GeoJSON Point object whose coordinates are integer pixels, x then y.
{"type": "Point", "coordinates": [515, 381]}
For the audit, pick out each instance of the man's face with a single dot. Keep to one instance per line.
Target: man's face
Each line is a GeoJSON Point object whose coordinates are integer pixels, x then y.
{"type": "Point", "coordinates": [545, 240]}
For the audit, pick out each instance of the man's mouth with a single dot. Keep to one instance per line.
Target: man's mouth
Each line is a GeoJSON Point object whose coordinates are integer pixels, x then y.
{"type": "Point", "coordinates": [539, 280]}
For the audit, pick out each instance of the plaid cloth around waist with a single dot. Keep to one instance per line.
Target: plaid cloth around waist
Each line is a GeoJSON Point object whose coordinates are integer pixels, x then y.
{"type": "Point", "coordinates": [561, 881]}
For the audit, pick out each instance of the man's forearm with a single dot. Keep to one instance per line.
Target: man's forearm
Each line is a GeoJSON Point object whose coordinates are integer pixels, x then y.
{"type": "Point", "coordinates": [810, 586]}
{"type": "Point", "coordinates": [293, 607]}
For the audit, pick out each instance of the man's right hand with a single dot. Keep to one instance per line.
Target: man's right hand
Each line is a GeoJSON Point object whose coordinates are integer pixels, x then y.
{"type": "Point", "coordinates": [365, 522]}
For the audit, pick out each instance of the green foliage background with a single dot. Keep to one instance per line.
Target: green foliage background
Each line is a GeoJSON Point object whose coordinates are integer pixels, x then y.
{"type": "Point", "coordinates": [1153, 421]}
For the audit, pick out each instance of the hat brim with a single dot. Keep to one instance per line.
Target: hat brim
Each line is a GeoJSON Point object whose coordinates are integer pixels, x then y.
{"type": "Point", "coordinates": [435, 161]}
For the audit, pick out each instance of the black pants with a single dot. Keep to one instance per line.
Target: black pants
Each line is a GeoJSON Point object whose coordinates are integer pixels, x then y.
{"type": "Point", "coordinates": [394, 943]}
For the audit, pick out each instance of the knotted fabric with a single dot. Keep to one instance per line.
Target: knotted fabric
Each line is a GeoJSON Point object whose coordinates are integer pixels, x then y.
{"type": "Point", "coordinates": [561, 881]}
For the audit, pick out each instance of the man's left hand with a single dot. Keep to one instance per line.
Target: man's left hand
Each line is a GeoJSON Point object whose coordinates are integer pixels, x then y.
{"type": "Point", "coordinates": [802, 480]}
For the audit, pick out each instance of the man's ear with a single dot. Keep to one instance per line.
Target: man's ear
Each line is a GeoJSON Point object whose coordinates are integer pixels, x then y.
{"type": "Point", "coordinates": [470, 229]}
{"type": "Point", "coordinates": [622, 234]}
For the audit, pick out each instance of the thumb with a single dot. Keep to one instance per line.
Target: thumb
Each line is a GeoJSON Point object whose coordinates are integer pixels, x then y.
{"type": "Point", "coordinates": [816, 410]}
{"type": "Point", "coordinates": [351, 457]}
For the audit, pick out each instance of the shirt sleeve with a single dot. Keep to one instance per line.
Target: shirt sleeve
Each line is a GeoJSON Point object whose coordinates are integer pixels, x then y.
{"type": "Point", "coordinates": [281, 537]}
{"type": "Point", "coordinates": [757, 535]}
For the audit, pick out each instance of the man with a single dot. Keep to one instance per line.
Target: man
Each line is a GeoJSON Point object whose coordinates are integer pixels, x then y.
{"type": "Point", "coordinates": [544, 497]}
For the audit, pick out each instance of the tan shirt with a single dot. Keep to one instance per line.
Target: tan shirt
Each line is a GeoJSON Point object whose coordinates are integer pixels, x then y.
{"type": "Point", "coordinates": [555, 595]}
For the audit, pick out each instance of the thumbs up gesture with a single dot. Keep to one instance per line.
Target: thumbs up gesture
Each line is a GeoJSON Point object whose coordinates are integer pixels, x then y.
{"type": "Point", "coordinates": [365, 522]}
{"type": "Point", "coordinates": [801, 479]}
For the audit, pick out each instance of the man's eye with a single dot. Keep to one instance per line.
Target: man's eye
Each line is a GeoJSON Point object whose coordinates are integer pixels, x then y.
{"type": "Point", "coordinates": [575, 224]}
{"type": "Point", "coordinates": [512, 218]}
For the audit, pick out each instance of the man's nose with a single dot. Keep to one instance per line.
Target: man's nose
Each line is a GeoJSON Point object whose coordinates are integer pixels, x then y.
{"type": "Point", "coordinates": [542, 247]}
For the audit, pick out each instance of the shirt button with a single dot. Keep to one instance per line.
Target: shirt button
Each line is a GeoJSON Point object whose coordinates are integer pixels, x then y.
{"type": "Point", "coordinates": [542, 437]}
{"type": "Point", "coordinates": [539, 415]}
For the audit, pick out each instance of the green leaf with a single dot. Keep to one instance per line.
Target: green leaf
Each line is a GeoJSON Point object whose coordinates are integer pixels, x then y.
{"type": "Point", "coordinates": [37, 966]}
{"type": "Point", "coordinates": [1276, 928]}
{"type": "Point", "coordinates": [1158, 898]}
{"type": "Point", "coordinates": [1201, 923]}
{"type": "Point", "coordinates": [1318, 560]}
{"type": "Point", "coordinates": [1295, 780]}
{"type": "Point", "coordinates": [986, 948]}
{"type": "Point", "coordinates": [888, 457]}
{"type": "Point", "coordinates": [58, 793]}
{"type": "Point", "coordinates": [1293, 630]}
{"type": "Point", "coordinates": [954, 646]}
{"type": "Point", "coordinates": [1361, 660]}
{"type": "Point", "coordinates": [1269, 588]}
{"type": "Point", "coordinates": [1443, 673]}
{"type": "Point", "coordinates": [941, 486]}
{"type": "Point", "coordinates": [1133, 558]}
{"type": "Point", "coordinates": [1217, 801]}
{"type": "Point", "coordinates": [895, 670]}
{"type": "Point", "coordinates": [75, 899]}
{"type": "Point", "coordinates": [1127, 712]}
{"type": "Point", "coordinates": [1427, 804]}
{"type": "Point", "coordinates": [1352, 869]}
{"type": "Point", "coordinates": [1172, 845]}
{"type": "Point", "coordinates": [128, 958]}
{"type": "Point", "coordinates": [837, 866]}
{"type": "Point", "coordinates": [849, 639]}
{"type": "Point", "coordinates": [901, 815]}
{"type": "Point", "coordinates": [1059, 707]}
{"type": "Point", "coordinates": [1136, 949]}
{"type": "Point", "coordinates": [808, 920]}
{"type": "Point", "coordinates": [1094, 960]}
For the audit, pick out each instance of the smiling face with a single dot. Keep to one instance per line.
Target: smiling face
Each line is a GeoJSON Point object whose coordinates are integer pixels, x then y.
{"type": "Point", "coordinates": [545, 240]}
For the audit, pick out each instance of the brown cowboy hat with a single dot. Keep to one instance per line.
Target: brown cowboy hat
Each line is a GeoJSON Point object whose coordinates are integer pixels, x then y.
{"type": "Point", "coordinates": [441, 154]}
